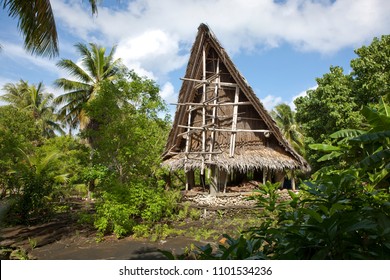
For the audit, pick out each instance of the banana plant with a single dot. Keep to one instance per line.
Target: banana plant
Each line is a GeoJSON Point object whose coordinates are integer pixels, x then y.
{"type": "Point", "coordinates": [367, 150]}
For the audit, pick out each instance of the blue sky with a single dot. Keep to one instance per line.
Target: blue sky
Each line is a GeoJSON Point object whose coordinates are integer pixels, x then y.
{"type": "Point", "coordinates": [280, 47]}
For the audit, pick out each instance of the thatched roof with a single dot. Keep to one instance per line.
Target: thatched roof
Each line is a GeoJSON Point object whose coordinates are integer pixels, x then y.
{"type": "Point", "coordinates": [254, 149]}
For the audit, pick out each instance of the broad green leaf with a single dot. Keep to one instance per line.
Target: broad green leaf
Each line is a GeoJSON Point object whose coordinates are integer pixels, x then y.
{"type": "Point", "coordinates": [330, 156]}
{"type": "Point", "coordinates": [347, 133]}
{"type": "Point", "coordinates": [324, 209]}
{"type": "Point", "coordinates": [385, 107]}
{"type": "Point", "coordinates": [365, 224]}
{"type": "Point", "coordinates": [324, 147]}
{"type": "Point", "coordinates": [337, 206]}
{"type": "Point", "coordinates": [378, 121]}
{"type": "Point", "coordinates": [313, 214]}
{"type": "Point", "coordinates": [376, 159]}
{"type": "Point", "coordinates": [372, 137]}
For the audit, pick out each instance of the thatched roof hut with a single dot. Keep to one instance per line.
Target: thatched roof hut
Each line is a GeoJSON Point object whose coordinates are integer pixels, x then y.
{"type": "Point", "coordinates": [220, 123]}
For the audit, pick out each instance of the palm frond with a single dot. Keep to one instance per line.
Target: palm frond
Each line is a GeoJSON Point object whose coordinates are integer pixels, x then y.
{"type": "Point", "coordinates": [94, 8]}
{"type": "Point", "coordinates": [74, 70]}
{"type": "Point", "coordinates": [37, 24]}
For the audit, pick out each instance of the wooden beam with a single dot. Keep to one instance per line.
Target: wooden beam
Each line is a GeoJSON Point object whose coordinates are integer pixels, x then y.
{"type": "Point", "coordinates": [226, 84]}
{"type": "Point", "coordinates": [217, 104]}
{"type": "Point", "coordinates": [203, 153]}
{"type": "Point", "coordinates": [204, 80]}
{"type": "Point", "coordinates": [225, 129]}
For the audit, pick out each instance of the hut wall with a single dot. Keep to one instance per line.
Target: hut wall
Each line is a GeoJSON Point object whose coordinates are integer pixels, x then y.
{"type": "Point", "coordinates": [248, 118]}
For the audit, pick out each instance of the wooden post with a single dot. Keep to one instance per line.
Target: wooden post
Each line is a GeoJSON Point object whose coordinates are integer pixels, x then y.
{"type": "Point", "coordinates": [234, 123]}
{"type": "Point", "coordinates": [293, 180]}
{"type": "Point", "coordinates": [203, 110]}
{"type": "Point", "coordinates": [202, 178]}
{"type": "Point", "coordinates": [222, 179]}
{"type": "Point", "coordinates": [264, 175]}
{"type": "Point", "coordinates": [214, 116]}
{"type": "Point", "coordinates": [188, 140]}
{"type": "Point", "coordinates": [214, 180]}
{"type": "Point", "coordinates": [190, 179]}
{"type": "Point", "coordinates": [279, 177]}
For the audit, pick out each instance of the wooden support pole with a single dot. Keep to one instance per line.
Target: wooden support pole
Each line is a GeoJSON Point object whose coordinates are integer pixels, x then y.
{"type": "Point", "coordinates": [190, 179]}
{"type": "Point", "coordinates": [188, 141]}
{"type": "Point", "coordinates": [203, 109]}
{"type": "Point", "coordinates": [223, 177]}
{"type": "Point", "coordinates": [234, 123]}
{"type": "Point", "coordinates": [216, 89]}
{"type": "Point", "coordinates": [214, 180]}
{"type": "Point", "coordinates": [279, 177]}
{"type": "Point", "coordinates": [293, 180]}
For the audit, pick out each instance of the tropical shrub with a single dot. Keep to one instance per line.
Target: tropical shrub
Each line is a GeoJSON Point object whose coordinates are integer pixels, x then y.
{"type": "Point", "coordinates": [122, 207]}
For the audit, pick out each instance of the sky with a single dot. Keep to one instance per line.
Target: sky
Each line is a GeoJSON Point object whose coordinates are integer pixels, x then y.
{"type": "Point", "coordinates": [279, 46]}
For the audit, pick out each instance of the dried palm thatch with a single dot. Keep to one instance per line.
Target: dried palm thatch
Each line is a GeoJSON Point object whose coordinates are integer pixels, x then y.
{"type": "Point", "coordinates": [220, 122]}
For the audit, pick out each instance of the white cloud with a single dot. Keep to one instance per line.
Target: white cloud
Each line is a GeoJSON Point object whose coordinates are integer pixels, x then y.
{"type": "Point", "coordinates": [153, 53]}
{"type": "Point", "coordinates": [75, 19]}
{"type": "Point", "coordinates": [154, 37]}
{"type": "Point", "coordinates": [313, 25]}
{"type": "Point", "coordinates": [271, 101]}
{"type": "Point", "coordinates": [168, 93]}
{"type": "Point", "coordinates": [17, 52]}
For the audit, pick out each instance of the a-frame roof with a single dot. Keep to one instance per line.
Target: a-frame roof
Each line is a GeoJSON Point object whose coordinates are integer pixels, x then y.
{"type": "Point", "coordinates": [273, 152]}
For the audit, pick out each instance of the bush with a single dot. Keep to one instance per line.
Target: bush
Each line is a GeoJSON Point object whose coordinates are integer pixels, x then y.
{"type": "Point", "coordinates": [122, 207]}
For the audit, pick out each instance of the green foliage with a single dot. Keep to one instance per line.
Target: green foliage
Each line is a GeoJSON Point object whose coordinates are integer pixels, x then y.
{"type": "Point", "coordinates": [342, 213]}
{"type": "Point", "coordinates": [367, 151]}
{"type": "Point", "coordinates": [73, 157]}
{"type": "Point", "coordinates": [292, 131]}
{"type": "Point", "coordinates": [371, 71]}
{"type": "Point", "coordinates": [40, 177]}
{"type": "Point", "coordinates": [17, 131]}
{"type": "Point", "coordinates": [35, 101]}
{"type": "Point", "coordinates": [195, 214]}
{"type": "Point", "coordinates": [235, 249]}
{"type": "Point", "coordinates": [336, 102]}
{"type": "Point", "coordinates": [36, 176]}
{"type": "Point", "coordinates": [334, 217]}
{"type": "Point", "coordinates": [96, 68]}
{"type": "Point", "coordinates": [327, 109]}
{"type": "Point", "coordinates": [122, 207]}
{"type": "Point", "coordinates": [128, 129]}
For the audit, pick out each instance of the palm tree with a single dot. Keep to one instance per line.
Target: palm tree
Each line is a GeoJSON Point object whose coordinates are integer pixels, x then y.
{"type": "Point", "coordinates": [33, 99]}
{"type": "Point", "coordinates": [37, 24]}
{"type": "Point", "coordinates": [285, 119]}
{"type": "Point", "coordinates": [95, 68]}
{"type": "Point", "coordinates": [16, 94]}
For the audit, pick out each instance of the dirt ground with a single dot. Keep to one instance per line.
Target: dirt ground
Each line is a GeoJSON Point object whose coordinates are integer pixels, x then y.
{"type": "Point", "coordinates": [65, 239]}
